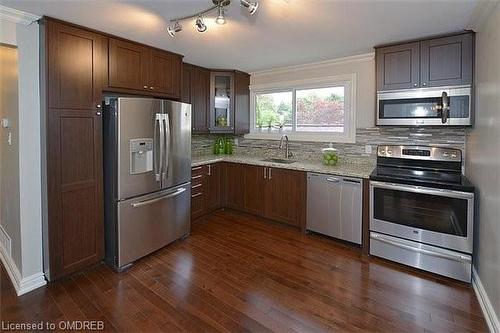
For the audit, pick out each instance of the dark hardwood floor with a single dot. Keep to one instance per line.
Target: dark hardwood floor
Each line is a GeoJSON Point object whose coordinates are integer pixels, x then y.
{"type": "Point", "coordinates": [240, 273]}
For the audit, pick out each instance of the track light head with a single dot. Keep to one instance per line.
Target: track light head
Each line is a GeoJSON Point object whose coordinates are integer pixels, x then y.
{"type": "Point", "coordinates": [200, 25]}
{"type": "Point", "coordinates": [221, 18]}
{"type": "Point", "coordinates": [173, 30]}
{"type": "Point", "coordinates": [251, 6]}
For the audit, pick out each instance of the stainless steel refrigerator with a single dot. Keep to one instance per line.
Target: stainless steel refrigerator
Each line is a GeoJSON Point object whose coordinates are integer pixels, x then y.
{"type": "Point", "coordinates": [147, 172]}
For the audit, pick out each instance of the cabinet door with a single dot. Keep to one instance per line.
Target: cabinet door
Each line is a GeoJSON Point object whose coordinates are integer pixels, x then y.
{"type": "Point", "coordinates": [187, 71]}
{"type": "Point", "coordinates": [398, 66]}
{"type": "Point", "coordinates": [74, 176]}
{"type": "Point", "coordinates": [128, 65]}
{"type": "Point", "coordinates": [233, 185]}
{"type": "Point", "coordinates": [76, 60]}
{"type": "Point", "coordinates": [254, 182]}
{"type": "Point", "coordinates": [164, 73]}
{"type": "Point", "coordinates": [214, 173]}
{"type": "Point", "coordinates": [286, 196]}
{"type": "Point", "coordinates": [447, 61]}
{"type": "Point", "coordinates": [221, 111]}
{"type": "Point", "coordinates": [241, 103]}
{"type": "Point", "coordinates": [200, 81]}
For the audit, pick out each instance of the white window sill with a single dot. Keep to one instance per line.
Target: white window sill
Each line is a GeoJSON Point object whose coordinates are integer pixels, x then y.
{"type": "Point", "coordinates": [311, 137]}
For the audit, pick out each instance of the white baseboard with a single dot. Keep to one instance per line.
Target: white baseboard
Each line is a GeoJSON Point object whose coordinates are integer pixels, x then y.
{"type": "Point", "coordinates": [484, 302]}
{"type": "Point", "coordinates": [21, 285]}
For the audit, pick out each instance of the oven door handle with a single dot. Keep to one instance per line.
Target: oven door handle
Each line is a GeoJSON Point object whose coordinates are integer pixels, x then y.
{"type": "Point", "coordinates": [423, 190]}
{"type": "Point", "coordinates": [458, 257]}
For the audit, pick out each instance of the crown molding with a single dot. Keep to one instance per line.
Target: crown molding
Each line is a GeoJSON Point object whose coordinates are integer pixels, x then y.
{"type": "Point", "coordinates": [17, 16]}
{"type": "Point", "coordinates": [481, 13]}
{"type": "Point", "coordinates": [314, 65]}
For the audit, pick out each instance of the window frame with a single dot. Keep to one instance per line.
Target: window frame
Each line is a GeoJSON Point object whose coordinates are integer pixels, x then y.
{"type": "Point", "coordinates": [348, 81]}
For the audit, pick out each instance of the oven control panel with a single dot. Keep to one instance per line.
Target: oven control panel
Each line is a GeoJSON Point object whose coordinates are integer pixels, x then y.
{"type": "Point", "coordinates": [420, 153]}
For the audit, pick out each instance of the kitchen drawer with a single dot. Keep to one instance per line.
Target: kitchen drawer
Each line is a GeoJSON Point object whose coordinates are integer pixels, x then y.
{"type": "Point", "coordinates": [198, 204]}
{"type": "Point", "coordinates": [198, 171]}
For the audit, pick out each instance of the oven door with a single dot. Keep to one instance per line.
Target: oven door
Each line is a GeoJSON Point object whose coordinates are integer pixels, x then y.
{"type": "Point", "coordinates": [438, 217]}
{"type": "Point", "coordinates": [443, 106]}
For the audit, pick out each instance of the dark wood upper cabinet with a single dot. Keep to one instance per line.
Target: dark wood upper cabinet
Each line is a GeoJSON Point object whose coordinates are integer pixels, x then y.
{"type": "Point", "coordinates": [398, 66]}
{"type": "Point", "coordinates": [241, 103]}
{"type": "Point", "coordinates": [195, 86]}
{"type": "Point", "coordinates": [446, 61]}
{"type": "Point", "coordinates": [76, 61]}
{"type": "Point", "coordinates": [164, 72]}
{"type": "Point", "coordinates": [435, 62]}
{"type": "Point", "coordinates": [74, 64]}
{"type": "Point", "coordinates": [137, 67]}
{"type": "Point", "coordinates": [127, 65]}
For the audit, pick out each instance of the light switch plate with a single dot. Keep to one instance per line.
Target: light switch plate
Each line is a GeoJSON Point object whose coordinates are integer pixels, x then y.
{"type": "Point", "coordinates": [5, 123]}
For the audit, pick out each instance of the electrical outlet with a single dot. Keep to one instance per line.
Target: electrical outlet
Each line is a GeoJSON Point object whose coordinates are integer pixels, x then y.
{"type": "Point", "coordinates": [9, 138]}
{"type": "Point", "coordinates": [368, 149]}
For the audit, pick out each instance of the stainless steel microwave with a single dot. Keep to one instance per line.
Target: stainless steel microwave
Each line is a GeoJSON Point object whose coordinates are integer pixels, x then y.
{"type": "Point", "coordinates": [443, 106]}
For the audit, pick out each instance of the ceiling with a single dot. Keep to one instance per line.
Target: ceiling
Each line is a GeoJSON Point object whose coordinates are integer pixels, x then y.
{"type": "Point", "coordinates": [281, 33]}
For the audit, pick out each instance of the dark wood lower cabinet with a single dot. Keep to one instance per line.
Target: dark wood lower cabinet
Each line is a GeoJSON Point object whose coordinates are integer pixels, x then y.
{"type": "Point", "coordinates": [285, 196]}
{"type": "Point", "coordinates": [273, 193]}
{"type": "Point", "coordinates": [254, 185]}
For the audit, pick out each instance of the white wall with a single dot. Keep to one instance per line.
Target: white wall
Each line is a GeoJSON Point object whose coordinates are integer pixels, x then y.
{"type": "Point", "coordinates": [26, 271]}
{"type": "Point", "coordinates": [483, 158]}
{"type": "Point", "coordinates": [9, 154]}
{"type": "Point", "coordinates": [363, 66]}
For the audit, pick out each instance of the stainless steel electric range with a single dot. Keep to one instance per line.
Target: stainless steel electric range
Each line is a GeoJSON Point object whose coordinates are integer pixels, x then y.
{"type": "Point", "coordinates": [422, 210]}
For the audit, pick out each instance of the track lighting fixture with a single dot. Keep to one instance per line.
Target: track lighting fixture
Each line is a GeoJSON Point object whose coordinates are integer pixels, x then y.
{"type": "Point", "coordinates": [200, 25]}
{"type": "Point", "coordinates": [172, 30]}
{"type": "Point", "coordinates": [251, 6]}
{"type": "Point", "coordinates": [218, 5]}
{"type": "Point", "coordinates": [221, 18]}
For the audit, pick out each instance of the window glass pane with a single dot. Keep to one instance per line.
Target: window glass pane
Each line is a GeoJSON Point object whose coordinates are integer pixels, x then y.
{"type": "Point", "coordinates": [274, 109]}
{"type": "Point", "coordinates": [320, 110]}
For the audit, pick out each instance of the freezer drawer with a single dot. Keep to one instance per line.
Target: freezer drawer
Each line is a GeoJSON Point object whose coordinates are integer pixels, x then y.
{"type": "Point", "coordinates": [148, 223]}
{"type": "Point", "coordinates": [426, 257]}
{"type": "Point", "coordinates": [334, 206]}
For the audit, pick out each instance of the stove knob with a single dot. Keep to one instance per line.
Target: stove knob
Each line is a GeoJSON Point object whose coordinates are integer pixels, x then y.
{"type": "Point", "coordinates": [453, 155]}
{"type": "Point", "coordinates": [389, 152]}
{"type": "Point", "coordinates": [445, 154]}
{"type": "Point", "coordinates": [382, 152]}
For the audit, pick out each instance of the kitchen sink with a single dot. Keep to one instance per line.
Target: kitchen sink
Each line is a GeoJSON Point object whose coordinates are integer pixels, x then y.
{"type": "Point", "coordinates": [279, 160]}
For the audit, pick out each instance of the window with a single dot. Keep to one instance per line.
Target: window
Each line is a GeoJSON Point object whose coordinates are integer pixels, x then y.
{"type": "Point", "coordinates": [312, 110]}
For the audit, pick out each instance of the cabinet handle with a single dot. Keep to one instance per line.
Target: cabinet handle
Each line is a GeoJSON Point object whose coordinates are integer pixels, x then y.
{"type": "Point", "coordinates": [196, 195]}
{"type": "Point", "coordinates": [270, 174]}
{"type": "Point", "coordinates": [209, 170]}
{"type": "Point", "coordinates": [195, 186]}
{"type": "Point", "coordinates": [98, 113]}
{"type": "Point", "coordinates": [415, 84]}
{"type": "Point", "coordinates": [98, 106]}
{"type": "Point", "coordinates": [265, 173]}
{"type": "Point", "coordinates": [196, 168]}
{"type": "Point", "coordinates": [151, 88]}
{"type": "Point", "coordinates": [196, 177]}
{"type": "Point", "coordinates": [424, 84]}
{"type": "Point", "coordinates": [145, 87]}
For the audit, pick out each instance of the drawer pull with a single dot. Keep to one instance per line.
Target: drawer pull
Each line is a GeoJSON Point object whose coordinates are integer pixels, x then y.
{"type": "Point", "coordinates": [196, 195]}
{"type": "Point", "coordinates": [195, 186]}
{"type": "Point", "coordinates": [197, 168]}
{"type": "Point", "coordinates": [197, 177]}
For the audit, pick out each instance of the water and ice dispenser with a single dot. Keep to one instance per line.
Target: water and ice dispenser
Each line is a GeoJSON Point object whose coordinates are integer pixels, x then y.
{"type": "Point", "coordinates": [141, 155]}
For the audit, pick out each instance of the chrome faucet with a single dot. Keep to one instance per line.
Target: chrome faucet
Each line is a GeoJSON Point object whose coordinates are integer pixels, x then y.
{"type": "Point", "coordinates": [288, 153]}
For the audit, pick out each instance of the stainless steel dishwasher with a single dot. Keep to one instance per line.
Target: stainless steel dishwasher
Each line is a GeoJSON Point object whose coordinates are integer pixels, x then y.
{"type": "Point", "coordinates": [334, 206]}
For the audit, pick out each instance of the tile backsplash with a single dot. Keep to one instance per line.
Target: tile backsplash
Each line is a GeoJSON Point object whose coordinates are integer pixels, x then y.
{"type": "Point", "coordinates": [438, 136]}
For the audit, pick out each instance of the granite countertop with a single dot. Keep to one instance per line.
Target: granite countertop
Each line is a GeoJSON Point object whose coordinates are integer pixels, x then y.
{"type": "Point", "coordinates": [359, 168]}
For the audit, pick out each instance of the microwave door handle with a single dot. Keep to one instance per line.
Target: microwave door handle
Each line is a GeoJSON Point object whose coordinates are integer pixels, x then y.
{"type": "Point", "coordinates": [157, 155]}
{"type": "Point", "coordinates": [445, 107]}
{"type": "Point", "coordinates": [166, 156]}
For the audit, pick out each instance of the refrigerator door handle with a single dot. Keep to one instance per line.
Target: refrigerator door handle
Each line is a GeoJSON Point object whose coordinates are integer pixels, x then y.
{"type": "Point", "coordinates": [166, 153]}
{"type": "Point", "coordinates": [158, 134]}
{"type": "Point", "coordinates": [150, 201]}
